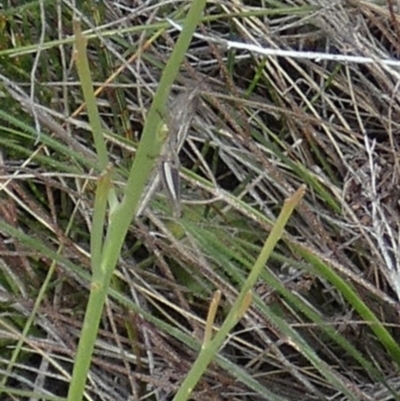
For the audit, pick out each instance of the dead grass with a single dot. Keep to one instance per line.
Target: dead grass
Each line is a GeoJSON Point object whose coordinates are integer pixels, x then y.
{"type": "Point", "coordinates": [264, 126]}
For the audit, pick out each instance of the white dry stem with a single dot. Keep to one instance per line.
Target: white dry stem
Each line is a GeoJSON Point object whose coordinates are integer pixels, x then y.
{"type": "Point", "coordinates": [296, 54]}
{"type": "Point", "coordinates": [386, 239]}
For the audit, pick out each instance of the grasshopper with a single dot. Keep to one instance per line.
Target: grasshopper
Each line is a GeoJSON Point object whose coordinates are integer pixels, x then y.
{"type": "Point", "coordinates": [178, 121]}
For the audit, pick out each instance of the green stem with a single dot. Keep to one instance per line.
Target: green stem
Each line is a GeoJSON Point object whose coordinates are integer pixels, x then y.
{"type": "Point", "coordinates": [210, 349]}
{"type": "Point", "coordinates": [122, 215]}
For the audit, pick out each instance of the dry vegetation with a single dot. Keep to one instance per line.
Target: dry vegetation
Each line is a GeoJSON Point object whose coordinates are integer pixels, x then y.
{"type": "Point", "coordinates": [323, 324]}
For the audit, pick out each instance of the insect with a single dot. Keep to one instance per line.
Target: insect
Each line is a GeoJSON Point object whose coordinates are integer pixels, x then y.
{"type": "Point", "coordinates": [178, 121]}
{"type": "Point", "coordinates": [182, 112]}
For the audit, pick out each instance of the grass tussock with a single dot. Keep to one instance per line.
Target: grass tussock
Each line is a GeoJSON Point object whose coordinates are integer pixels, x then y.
{"type": "Point", "coordinates": [287, 93]}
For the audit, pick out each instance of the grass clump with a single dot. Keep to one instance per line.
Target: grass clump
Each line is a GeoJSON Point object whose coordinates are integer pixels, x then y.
{"type": "Point", "coordinates": [248, 293]}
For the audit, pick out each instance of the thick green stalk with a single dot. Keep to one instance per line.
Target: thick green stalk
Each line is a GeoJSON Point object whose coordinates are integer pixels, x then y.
{"type": "Point", "coordinates": [122, 214]}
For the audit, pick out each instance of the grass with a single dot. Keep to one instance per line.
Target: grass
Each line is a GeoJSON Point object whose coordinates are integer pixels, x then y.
{"type": "Point", "coordinates": [99, 301]}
